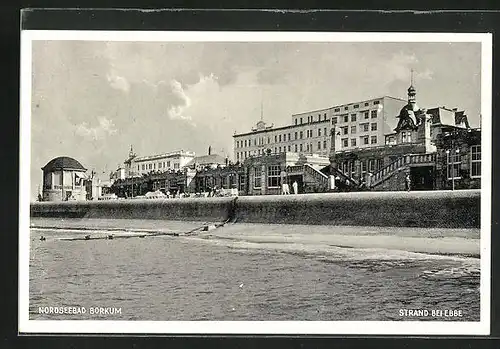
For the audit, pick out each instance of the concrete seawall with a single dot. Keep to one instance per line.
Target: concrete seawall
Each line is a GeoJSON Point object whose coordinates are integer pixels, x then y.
{"type": "Point", "coordinates": [457, 209]}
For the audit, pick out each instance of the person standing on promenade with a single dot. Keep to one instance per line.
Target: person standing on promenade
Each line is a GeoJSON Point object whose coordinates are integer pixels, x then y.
{"type": "Point", "coordinates": [408, 182]}
{"type": "Point", "coordinates": [295, 187]}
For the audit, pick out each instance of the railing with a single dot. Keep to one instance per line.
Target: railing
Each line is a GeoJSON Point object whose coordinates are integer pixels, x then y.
{"type": "Point", "coordinates": [387, 171]}
{"type": "Point", "coordinates": [341, 174]}
{"type": "Point", "coordinates": [319, 178]}
{"type": "Point", "coordinates": [296, 169]}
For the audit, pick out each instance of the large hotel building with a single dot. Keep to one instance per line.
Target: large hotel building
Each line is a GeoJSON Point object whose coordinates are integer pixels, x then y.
{"type": "Point", "coordinates": [363, 124]}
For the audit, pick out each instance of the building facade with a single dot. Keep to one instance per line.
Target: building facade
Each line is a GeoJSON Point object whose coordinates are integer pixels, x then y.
{"type": "Point", "coordinates": [138, 166]}
{"type": "Point", "coordinates": [362, 124]}
{"type": "Point", "coordinates": [64, 179]}
{"type": "Point", "coordinates": [428, 149]}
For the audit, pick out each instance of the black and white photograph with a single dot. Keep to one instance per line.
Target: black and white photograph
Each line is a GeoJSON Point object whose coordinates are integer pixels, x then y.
{"type": "Point", "coordinates": [255, 182]}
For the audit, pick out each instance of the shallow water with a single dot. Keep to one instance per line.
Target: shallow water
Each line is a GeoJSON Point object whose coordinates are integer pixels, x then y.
{"type": "Point", "coordinates": [253, 272]}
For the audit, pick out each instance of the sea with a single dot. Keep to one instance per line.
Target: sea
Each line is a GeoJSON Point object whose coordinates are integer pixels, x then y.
{"type": "Point", "coordinates": [250, 272]}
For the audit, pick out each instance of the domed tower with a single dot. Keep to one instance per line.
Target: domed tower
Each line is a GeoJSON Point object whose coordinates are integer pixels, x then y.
{"type": "Point", "coordinates": [64, 179]}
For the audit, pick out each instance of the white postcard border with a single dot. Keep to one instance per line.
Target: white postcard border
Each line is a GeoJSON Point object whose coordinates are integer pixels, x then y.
{"type": "Point", "coordinates": [254, 327]}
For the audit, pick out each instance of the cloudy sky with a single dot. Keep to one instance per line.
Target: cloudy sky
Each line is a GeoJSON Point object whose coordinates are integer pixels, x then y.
{"type": "Point", "coordinates": [93, 100]}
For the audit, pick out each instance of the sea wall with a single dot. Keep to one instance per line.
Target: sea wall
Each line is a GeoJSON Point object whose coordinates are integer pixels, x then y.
{"type": "Point", "coordinates": [451, 209]}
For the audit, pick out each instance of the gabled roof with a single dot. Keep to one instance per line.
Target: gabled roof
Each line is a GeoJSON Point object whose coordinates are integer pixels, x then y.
{"type": "Point", "coordinates": [63, 163]}
{"type": "Point", "coordinates": [212, 159]}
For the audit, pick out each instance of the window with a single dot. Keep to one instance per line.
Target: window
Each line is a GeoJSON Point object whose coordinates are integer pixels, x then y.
{"type": "Point", "coordinates": [301, 148]}
{"type": "Point", "coordinates": [237, 156]}
{"type": "Point", "coordinates": [168, 163]}
{"type": "Point", "coordinates": [275, 149]}
{"type": "Point", "coordinates": [319, 132]}
{"type": "Point", "coordinates": [346, 108]}
{"type": "Point", "coordinates": [353, 129]}
{"type": "Point", "coordinates": [268, 140]}
{"type": "Point", "coordinates": [307, 147]}
{"type": "Point", "coordinates": [301, 134]}
{"type": "Point", "coordinates": [275, 139]}
{"type": "Point", "coordinates": [373, 140]}
{"type": "Point", "coordinates": [334, 120]}
{"type": "Point", "coordinates": [366, 114]}
{"type": "Point", "coordinates": [353, 117]}
{"type": "Point", "coordinates": [319, 145]}
{"type": "Point", "coordinates": [353, 142]}
{"type": "Point", "coordinates": [390, 140]}
{"type": "Point", "coordinates": [138, 167]}
{"type": "Point", "coordinates": [324, 144]}
{"type": "Point", "coordinates": [295, 121]}
{"type": "Point", "coordinates": [374, 127]}
{"type": "Point", "coordinates": [345, 143]}
{"type": "Point", "coordinates": [345, 130]}
{"type": "Point", "coordinates": [255, 141]}
{"type": "Point", "coordinates": [374, 114]}
{"type": "Point", "coordinates": [324, 130]}
{"type": "Point", "coordinates": [279, 138]}
{"type": "Point", "coordinates": [176, 165]}
{"type": "Point", "coordinates": [245, 143]}
{"type": "Point", "coordinates": [289, 147]}
{"type": "Point", "coordinates": [295, 147]}
{"type": "Point", "coordinates": [336, 110]}
{"type": "Point", "coordinates": [454, 161]}
{"type": "Point", "coordinates": [376, 102]}
{"type": "Point", "coordinates": [365, 139]}
{"type": "Point", "coordinates": [365, 127]}
{"type": "Point", "coordinates": [324, 117]}
{"type": "Point", "coordinates": [356, 106]}
{"type": "Point", "coordinates": [295, 135]}
{"type": "Point", "coordinates": [346, 117]}
{"type": "Point", "coordinates": [301, 121]}
{"type": "Point", "coordinates": [143, 167]}
{"type": "Point", "coordinates": [237, 144]}
{"type": "Point", "coordinates": [367, 104]}
{"type": "Point", "coordinates": [319, 117]}
{"type": "Point", "coordinates": [257, 175]}
{"type": "Point", "coordinates": [273, 176]}
{"type": "Point", "coordinates": [363, 168]}
{"type": "Point", "coordinates": [371, 165]}
{"type": "Point", "coordinates": [289, 136]}
{"type": "Point", "coordinates": [475, 158]}
{"type": "Point", "coordinates": [308, 119]}
{"type": "Point", "coordinates": [406, 137]}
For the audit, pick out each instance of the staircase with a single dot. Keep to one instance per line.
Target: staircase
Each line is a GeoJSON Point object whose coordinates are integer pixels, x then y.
{"type": "Point", "coordinates": [312, 177]}
{"type": "Point", "coordinates": [319, 178]}
{"type": "Point", "coordinates": [338, 173]}
{"type": "Point", "coordinates": [411, 159]}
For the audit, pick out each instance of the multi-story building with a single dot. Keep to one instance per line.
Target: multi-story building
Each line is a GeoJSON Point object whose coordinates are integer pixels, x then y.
{"type": "Point", "coordinates": [362, 124]}
{"type": "Point", "coordinates": [175, 160]}
{"type": "Point", "coordinates": [64, 179]}
{"type": "Point", "coordinates": [429, 148]}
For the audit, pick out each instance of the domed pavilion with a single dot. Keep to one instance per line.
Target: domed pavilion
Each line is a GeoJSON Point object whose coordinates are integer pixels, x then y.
{"type": "Point", "coordinates": [63, 180]}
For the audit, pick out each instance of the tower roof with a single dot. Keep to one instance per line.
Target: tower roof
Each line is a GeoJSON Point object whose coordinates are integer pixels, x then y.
{"type": "Point", "coordinates": [63, 163]}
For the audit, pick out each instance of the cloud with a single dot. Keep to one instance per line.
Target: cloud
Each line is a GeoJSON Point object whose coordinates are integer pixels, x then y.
{"type": "Point", "coordinates": [105, 128]}
{"type": "Point", "coordinates": [118, 82]}
{"type": "Point", "coordinates": [177, 112]}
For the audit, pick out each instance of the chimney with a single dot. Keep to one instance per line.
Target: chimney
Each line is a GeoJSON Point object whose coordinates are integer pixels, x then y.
{"type": "Point", "coordinates": [209, 150]}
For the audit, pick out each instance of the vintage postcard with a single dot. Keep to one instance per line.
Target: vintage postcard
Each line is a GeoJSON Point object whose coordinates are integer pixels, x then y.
{"type": "Point", "coordinates": [255, 183]}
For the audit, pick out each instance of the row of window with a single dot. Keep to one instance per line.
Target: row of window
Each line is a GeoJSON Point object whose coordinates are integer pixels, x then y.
{"type": "Point", "coordinates": [356, 106]}
{"type": "Point", "coordinates": [362, 141]}
{"type": "Point", "coordinates": [310, 119]}
{"type": "Point", "coordinates": [155, 166]}
{"type": "Point", "coordinates": [281, 138]}
{"type": "Point", "coordinates": [273, 177]}
{"type": "Point", "coordinates": [365, 127]}
{"type": "Point", "coordinates": [308, 147]}
{"type": "Point", "coordinates": [454, 161]}
{"type": "Point", "coordinates": [344, 118]}
{"type": "Point", "coordinates": [370, 165]}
